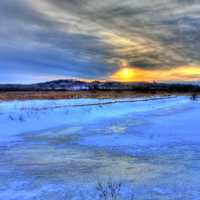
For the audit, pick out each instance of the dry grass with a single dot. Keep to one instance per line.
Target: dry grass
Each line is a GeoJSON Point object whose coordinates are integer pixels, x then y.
{"type": "Point", "coordinates": [69, 95]}
{"type": "Point", "coordinates": [5, 96]}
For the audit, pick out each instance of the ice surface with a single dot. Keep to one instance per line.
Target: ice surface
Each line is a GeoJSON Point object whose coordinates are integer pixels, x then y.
{"type": "Point", "coordinates": [49, 148]}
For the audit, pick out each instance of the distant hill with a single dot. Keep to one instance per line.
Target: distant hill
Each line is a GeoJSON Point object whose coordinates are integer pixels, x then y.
{"type": "Point", "coordinates": [76, 85]}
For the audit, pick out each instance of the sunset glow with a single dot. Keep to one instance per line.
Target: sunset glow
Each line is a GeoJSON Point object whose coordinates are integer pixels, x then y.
{"type": "Point", "coordinates": [134, 74]}
{"type": "Point", "coordinates": [124, 74]}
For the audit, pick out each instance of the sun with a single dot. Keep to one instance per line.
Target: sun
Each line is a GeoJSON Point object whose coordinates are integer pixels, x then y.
{"type": "Point", "coordinates": [124, 74]}
{"type": "Point", "coordinates": [127, 73]}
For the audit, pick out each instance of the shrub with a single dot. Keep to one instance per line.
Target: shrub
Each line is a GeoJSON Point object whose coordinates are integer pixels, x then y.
{"type": "Point", "coordinates": [113, 191]}
{"type": "Point", "coordinates": [194, 96]}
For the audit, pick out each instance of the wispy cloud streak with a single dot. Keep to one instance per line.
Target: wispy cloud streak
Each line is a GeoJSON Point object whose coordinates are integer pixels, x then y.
{"type": "Point", "coordinates": [91, 38]}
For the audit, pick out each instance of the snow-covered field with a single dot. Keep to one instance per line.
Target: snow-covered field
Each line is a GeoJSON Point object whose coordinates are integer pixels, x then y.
{"type": "Point", "coordinates": [60, 149]}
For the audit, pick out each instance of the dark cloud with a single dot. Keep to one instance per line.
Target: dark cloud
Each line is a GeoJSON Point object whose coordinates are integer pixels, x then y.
{"type": "Point", "coordinates": [89, 38]}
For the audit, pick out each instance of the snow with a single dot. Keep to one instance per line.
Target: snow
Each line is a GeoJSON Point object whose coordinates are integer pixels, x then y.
{"type": "Point", "coordinates": [24, 116]}
{"type": "Point", "coordinates": [51, 146]}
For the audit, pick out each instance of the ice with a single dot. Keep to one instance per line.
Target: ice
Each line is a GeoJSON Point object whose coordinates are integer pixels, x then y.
{"type": "Point", "coordinates": [54, 148]}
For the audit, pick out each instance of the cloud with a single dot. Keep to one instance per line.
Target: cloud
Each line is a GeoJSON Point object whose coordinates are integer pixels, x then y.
{"type": "Point", "coordinates": [177, 74]}
{"type": "Point", "coordinates": [90, 38]}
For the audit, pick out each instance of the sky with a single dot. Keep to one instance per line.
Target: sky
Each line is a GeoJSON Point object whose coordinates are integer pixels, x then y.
{"type": "Point", "coordinates": [129, 40]}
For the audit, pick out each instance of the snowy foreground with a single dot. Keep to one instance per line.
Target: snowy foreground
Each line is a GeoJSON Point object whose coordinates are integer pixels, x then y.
{"type": "Point", "coordinates": [62, 149]}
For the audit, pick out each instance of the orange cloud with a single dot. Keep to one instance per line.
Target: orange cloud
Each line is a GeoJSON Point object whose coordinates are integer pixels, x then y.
{"type": "Point", "coordinates": [182, 73]}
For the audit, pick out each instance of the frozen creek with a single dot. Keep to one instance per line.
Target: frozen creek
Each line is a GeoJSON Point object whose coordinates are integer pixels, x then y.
{"type": "Point", "coordinates": [53, 150]}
